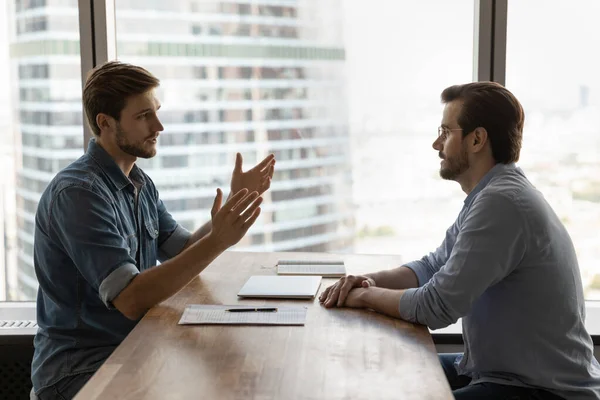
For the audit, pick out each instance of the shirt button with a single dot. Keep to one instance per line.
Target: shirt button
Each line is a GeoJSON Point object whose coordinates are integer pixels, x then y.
{"type": "Point", "coordinates": [156, 231]}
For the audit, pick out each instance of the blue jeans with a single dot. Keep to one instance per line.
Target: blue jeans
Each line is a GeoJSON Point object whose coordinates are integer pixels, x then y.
{"type": "Point", "coordinates": [463, 391]}
{"type": "Point", "coordinates": [65, 389]}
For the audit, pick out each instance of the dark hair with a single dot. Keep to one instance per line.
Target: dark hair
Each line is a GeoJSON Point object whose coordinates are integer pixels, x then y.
{"type": "Point", "coordinates": [109, 85]}
{"type": "Point", "coordinates": [491, 106]}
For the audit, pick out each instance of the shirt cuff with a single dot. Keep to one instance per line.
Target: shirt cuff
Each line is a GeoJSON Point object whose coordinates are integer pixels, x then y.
{"type": "Point", "coordinates": [408, 307]}
{"type": "Point", "coordinates": [174, 244]}
{"type": "Point", "coordinates": [115, 282]}
{"type": "Point", "coordinates": [419, 270]}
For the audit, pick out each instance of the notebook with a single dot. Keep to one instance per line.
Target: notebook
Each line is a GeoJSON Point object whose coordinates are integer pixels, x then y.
{"type": "Point", "coordinates": [209, 314]}
{"type": "Point", "coordinates": [285, 287]}
{"type": "Point", "coordinates": [332, 269]}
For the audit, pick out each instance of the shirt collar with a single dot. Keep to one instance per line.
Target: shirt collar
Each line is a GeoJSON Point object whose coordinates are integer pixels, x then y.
{"type": "Point", "coordinates": [110, 167]}
{"type": "Point", "coordinates": [496, 170]}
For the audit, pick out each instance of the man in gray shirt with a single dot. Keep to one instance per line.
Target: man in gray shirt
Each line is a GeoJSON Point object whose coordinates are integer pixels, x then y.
{"type": "Point", "coordinates": [507, 266]}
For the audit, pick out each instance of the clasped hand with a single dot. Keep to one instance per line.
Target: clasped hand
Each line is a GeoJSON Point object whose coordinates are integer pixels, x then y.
{"type": "Point", "coordinates": [347, 292]}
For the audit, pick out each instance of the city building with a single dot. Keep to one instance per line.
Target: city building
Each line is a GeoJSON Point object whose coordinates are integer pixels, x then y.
{"type": "Point", "coordinates": [254, 77]}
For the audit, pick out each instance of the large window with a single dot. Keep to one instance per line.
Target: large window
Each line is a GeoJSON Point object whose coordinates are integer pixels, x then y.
{"type": "Point", "coordinates": [553, 71]}
{"type": "Point", "coordinates": [41, 128]}
{"type": "Point", "coordinates": [345, 93]}
{"type": "Point", "coordinates": [255, 77]}
{"type": "Point", "coordinates": [400, 56]}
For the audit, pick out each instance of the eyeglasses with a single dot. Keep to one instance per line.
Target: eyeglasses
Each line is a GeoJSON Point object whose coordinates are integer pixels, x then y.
{"type": "Point", "coordinates": [444, 132]}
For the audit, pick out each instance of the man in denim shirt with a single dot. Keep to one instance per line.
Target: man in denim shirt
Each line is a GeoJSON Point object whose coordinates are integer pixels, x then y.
{"type": "Point", "coordinates": [101, 227]}
{"type": "Point", "coordinates": [507, 266]}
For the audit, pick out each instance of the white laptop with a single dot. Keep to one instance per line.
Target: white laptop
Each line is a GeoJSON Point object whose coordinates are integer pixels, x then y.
{"type": "Point", "coordinates": [285, 287]}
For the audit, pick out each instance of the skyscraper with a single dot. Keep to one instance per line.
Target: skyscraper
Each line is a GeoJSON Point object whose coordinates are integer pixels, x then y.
{"type": "Point", "coordinates": [249, 76]}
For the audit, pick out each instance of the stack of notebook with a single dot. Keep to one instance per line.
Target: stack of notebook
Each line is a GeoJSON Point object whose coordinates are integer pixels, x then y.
{"type": "Point", "coordinates": [307, 267]}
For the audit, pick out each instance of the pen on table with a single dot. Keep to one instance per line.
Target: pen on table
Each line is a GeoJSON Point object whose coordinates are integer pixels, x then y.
{"type": "Point", "coordinates": [250, 309]}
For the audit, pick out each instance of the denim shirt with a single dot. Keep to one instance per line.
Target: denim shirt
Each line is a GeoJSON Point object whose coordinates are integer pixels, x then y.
{"type": "Point", "coordinates": [95, 230]}
{"type": "Point", "coordinates": [508, 267]}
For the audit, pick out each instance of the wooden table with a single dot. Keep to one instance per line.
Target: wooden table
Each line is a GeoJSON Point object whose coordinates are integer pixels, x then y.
{"type": "Point", "coordinates": [338, 354]}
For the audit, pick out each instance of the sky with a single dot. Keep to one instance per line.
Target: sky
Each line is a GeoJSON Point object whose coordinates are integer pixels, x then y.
{"type": "Point", "coordinates": [400, 55]}
{"type": "Point", "coordinates": [549, 60]}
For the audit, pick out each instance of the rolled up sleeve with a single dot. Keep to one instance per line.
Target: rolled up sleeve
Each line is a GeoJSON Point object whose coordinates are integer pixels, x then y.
{"type": "Point", "coordinates": [85, 224]}
{"type": "Point", "coordinates": [490, 244]}
{"type": "Point", "coordinates": [114, 283]}
{"type": "Point", "coordinates": [430, 264]}
{"type": "Point", "coordinates": [174, 244]}
{"type": "Point", "coordinates": [423, 268]}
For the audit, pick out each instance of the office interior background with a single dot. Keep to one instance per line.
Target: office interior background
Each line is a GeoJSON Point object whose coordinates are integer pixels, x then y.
{"type": "Point", "coordinates": [345, 93]}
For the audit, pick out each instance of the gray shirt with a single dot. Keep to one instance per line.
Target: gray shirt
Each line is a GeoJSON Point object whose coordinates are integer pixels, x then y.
{"type": "Point", "coordinates": [507, 266]}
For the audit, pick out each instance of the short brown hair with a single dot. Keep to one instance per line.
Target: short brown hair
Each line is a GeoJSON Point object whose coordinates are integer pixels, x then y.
{"type": "Point", "coordinates": [491, 106]}
{"type": "Point", "coordinates": [109, 85]}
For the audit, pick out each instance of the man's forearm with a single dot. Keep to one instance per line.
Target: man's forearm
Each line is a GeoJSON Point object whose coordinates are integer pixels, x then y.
{"type": "Point", "coordinates": [157, 284]}
{"type": "Point", "coordinates": [384, 301]}
{"type": "Point", "coordinates": [397, 278]}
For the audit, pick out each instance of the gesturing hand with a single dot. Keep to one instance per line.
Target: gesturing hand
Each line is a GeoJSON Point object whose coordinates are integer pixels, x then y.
{"type": "Point", "coordinates": [335, 295]}
{"type": "Point", "coordinates": [257, 179]}
{"type": "Point", "coordinates": [231, 222]}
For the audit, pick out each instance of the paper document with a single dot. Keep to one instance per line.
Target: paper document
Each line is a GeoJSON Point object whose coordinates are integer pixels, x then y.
{"type": "Point", "coordinates": [205, 314]}
{"type": "Point", "coordinates": [308, 267]}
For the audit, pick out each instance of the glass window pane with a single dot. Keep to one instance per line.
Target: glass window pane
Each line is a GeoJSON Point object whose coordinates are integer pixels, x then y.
{"type": "Point", "coordinates": [345, 93]}
{"type": "Point", "coordinates": [401, 55]}
{"type": "Point", "coordinates": [41, 128]}
{"type": "Point", "coordinates": [554, 74]}
{"type": "Point", "coordinates": [255, 78]}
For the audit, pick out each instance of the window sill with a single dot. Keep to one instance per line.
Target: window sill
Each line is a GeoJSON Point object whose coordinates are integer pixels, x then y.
{"type": "Point", "coordinates": [449, 335]}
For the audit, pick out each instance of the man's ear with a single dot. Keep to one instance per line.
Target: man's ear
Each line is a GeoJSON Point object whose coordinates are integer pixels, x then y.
{"type": "Point", "coordinates": [104, 122]}
{"type": "Point", "coordinates": [480, 138]}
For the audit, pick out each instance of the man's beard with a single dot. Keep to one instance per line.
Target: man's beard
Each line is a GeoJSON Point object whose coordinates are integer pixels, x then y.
{"type": "Point", "coordinates": [455, 166]}
{"type": "Point", "coordinates": [133, 149]}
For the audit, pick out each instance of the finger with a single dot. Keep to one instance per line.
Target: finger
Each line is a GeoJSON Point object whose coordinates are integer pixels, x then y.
{"type": "Point", "coordinates": [242, 204]}
{"type": "Point", "coordinates": [269, 171]}
{"type": "Point", "coordinates": [238, 162]}
{"type": "Point", "coordinates": [217, 203]}
{"type": "Point", "coordinates": [264, 163]}
{"type": "Point", "coordinates": [323, 295]}
{"type": "Point", "coordinates": [265, 170]}
{"type": "Point", "coordinates": [250, 210]}
{"type": "Point", "coordinates": [272, 170]}
{"type": "Point", "coordinates": [265, 185]}
{"type": "Point", "coordinates": [329, 291]}
{"type": "Point", "coordinates": [370, 282]}
{"type": "Point", "coordinates": [346, 287]}
{"type": "Point", "coordinates": [365, 283]}
{"type": "Point", "coordinates": [333, 296]}
{"type": "Point", "coordinates": [233, 200]}
{"type": "Point", "coordinates": [250, 221]}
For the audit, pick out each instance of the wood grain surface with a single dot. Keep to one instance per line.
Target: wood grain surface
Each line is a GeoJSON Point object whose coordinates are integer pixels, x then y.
{"type": "Point", "coordinates": [338, 354]}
